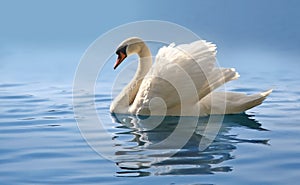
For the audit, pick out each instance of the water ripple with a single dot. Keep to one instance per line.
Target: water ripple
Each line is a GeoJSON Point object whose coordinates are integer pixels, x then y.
{"type": "Point", "coordinates": [41, 144]}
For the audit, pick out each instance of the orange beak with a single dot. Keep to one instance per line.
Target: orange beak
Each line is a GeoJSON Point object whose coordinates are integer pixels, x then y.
{"type": "Point", "coordinates": [121, 57]}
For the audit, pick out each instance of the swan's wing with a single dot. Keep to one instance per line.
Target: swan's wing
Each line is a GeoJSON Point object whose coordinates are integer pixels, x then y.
{"type": "Point", "coordinates": [181, 74]}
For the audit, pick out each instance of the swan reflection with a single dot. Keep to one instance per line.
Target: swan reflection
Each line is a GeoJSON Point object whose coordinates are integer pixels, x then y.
{"type": "Point", "coordinates": [136, 157]}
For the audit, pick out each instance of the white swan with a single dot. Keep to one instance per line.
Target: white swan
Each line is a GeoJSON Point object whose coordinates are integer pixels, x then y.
{"type": "Point", "coordinates": [167, 82]}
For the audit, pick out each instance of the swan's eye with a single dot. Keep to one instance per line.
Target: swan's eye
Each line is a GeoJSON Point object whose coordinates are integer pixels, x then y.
{"type": "Point", "coordinates": [121, 49]}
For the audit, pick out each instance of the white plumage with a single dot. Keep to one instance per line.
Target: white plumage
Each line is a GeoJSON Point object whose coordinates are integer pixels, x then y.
{"type": "Point", "coordinates": [180, 82]}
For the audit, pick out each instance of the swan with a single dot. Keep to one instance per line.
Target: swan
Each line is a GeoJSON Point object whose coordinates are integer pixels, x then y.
{"type": "Point", "coordinates": [154, 88]}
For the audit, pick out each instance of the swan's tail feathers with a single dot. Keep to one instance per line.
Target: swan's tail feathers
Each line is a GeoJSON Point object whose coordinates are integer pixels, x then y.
{"type": "Point", "coordinates": [254, 100]}
{"type": "Point", "coordinates": [217, 78]}
{"type": "Point", "coordinates": [266, 93]}
{"type": "Point", "coordinates": [234, 102]}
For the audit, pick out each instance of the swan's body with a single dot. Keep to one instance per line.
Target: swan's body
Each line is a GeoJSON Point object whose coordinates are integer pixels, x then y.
{"type": "Point", "coordinates": [180, 82]}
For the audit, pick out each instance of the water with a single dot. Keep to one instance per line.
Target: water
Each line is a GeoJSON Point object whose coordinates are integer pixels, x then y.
{"type": "Point", "coordinates": [41, 143]}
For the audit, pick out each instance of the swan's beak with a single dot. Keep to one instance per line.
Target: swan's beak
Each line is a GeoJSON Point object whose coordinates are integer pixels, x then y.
{"type": "Point", "coordinates": [121, 57]}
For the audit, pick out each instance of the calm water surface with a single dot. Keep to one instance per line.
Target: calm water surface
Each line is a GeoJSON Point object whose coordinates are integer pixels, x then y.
{"type": "Point", "coordinates": [41, 143]}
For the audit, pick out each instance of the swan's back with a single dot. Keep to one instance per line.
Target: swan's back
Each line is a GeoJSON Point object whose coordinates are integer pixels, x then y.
{"type": "Point", "coordinates": [180, 77]}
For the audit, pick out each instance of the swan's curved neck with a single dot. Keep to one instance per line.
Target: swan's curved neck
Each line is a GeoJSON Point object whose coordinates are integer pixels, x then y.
{"type": "Point", "coordinates": [145, 62]}
{"type": "Point", "coordinates": [126, 97]}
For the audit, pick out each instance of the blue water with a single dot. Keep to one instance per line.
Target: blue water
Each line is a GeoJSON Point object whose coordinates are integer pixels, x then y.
{"type": "Point", "coordinates": [41, 143]}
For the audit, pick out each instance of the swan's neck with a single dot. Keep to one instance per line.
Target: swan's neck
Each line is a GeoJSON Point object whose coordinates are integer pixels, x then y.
{"type": "Point", "coordinates": [144, 64]}
{"type": "Point", "coordinates": [123, 101]}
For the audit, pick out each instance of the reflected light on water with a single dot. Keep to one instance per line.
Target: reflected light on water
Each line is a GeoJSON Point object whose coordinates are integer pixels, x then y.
{"type": "Point", "coordinates": [135, 156]}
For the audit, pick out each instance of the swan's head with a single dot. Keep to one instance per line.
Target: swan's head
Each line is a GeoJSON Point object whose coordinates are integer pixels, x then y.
{"type": "Point", "coordinates": [128, 47]}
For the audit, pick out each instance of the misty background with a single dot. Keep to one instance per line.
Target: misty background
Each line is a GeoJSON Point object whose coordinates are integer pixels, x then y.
{"type": "Point", "coordinates": [43, 41]}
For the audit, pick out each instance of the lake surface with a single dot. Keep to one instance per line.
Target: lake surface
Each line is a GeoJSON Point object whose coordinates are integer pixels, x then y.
{"type": "Point", "coordinates": [42, 144]}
